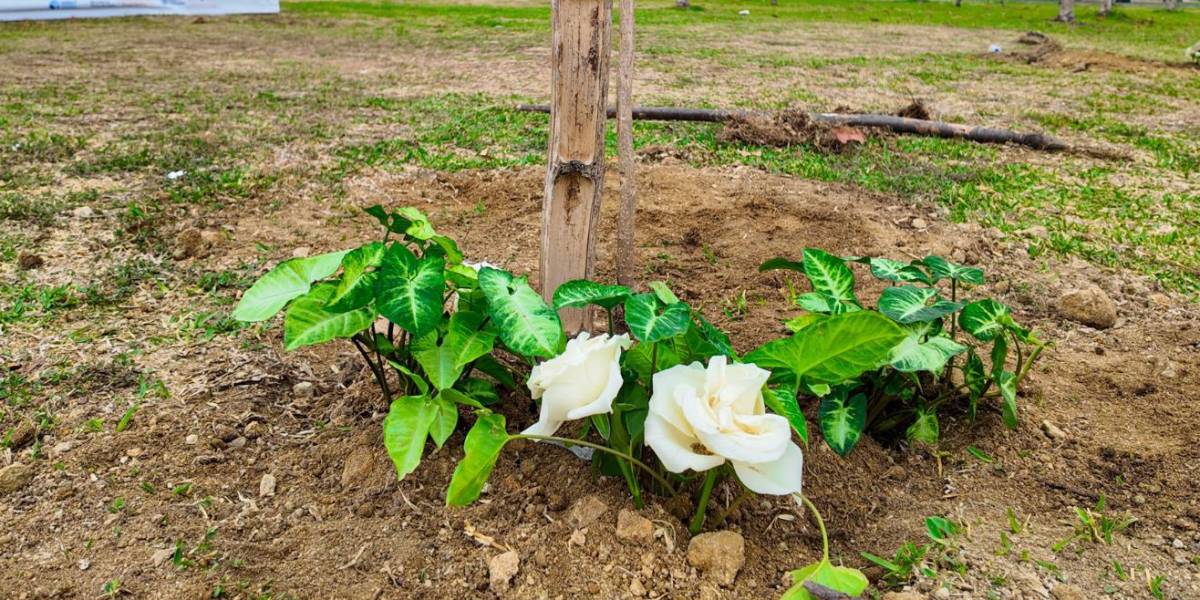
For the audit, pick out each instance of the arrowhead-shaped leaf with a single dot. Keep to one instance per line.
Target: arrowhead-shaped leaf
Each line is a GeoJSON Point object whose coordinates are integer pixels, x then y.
{"type": "Point", "coordinates": [409, 290]}
{"type": "Point", "coordinates": [527, 325]}
{"type": "Point", "coordinates": [1007, 382]}
{"type": "Point", "coordinates": [780, 263]}
{"type": "Point", "coordinates": [308, 322]}
{"type": "Point", "coordinates": [782, 401]}
{"type": "Point", "coordinates": [984, 319]}
{"type": "Point", "coordinates": [482, 446]}
{"type": "Point", "coordinates": [289, 279]}
{"type": "Point", "coordinates": [894, 270]}
{"type": "Point", "coordinates": [833, 350]}
{"type": "Point", "coordinates": [910, 304]}
{"type": "Point", "coordinates": [357, 286]}
{"type": "Point", "coordinates": [923, 349]}
{"type": "Point", "coordinates": [405, 429]}
{"type": "Point", "coordinates": [650, 320]}
{"type": "Point", "coordinates": [445, 419]}
{"type": "Point", "coordinates": [925, 428]}
{"type": "Point", "coordinates": [843, 420]}
{"type": "Point", "coordinates": [581, 292]}
{"type": "Point", "coordinates": [850, 582]}
{"type": "Point", "coordinates": [464, 342]}
{"type": "Point", "coordinates": [829, 275]}
{"type": "Point", "coordinates": [944, 269]}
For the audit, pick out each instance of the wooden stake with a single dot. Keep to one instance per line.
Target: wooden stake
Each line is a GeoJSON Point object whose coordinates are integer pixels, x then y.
{"type": "Point", "coordinates": [627, 217]}
{"type": "Point", "coordinates": [580, 39]}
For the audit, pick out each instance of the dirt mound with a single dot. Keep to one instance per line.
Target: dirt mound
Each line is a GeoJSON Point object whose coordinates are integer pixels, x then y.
{"type": "Point", "coordinates": [782, 128]}
{"type": "Point", "coordinates": [915, 110]}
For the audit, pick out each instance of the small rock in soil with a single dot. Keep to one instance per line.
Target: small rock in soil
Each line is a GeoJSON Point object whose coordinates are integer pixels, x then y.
{"type": "Point", "coordinates": [224, 432]}
{"type": "Point", "coordinates": [301, 252]}
{"type": "Point", "coordinates": [719, 555]}
{"type": "Point", "coordinates": [502, 569]}
{"type": "Point", "coordinates": [191, 439]}
{"type": "Point", "coordinates": [358, 466]}
{"type": "Point", "coordinates": [84, 212]}
{"type": "Point", "coordinates": [586, 511]}
{"type": "Point", "coordinates": [14, 477]}
{"type": "Point", "coordinates": [903, 596]}
{"type": "Point", "coordinates": [304, 389]}
{"type": "Point", "coordinates": [1090, 306]}
{"type": "Point", "coordinates": [636, 588]}
{"type": "Point", "coordinates": [1067, 592]}
{"type": "Point", "coordinates": [1052, 431]}
{"type": "Point", "coordinates": [191, 243]}
{"type": "Point", "coordinates": [22, 435]}
{"type": "Point", "coordinates": [27, 261]}
{"type": "Point", "coordinates": [160, 556]}
{"type": "Point", "coordinates": [254, 430]}
{"type": "Point", "coordinates": [633, 527]}
{"type": "Point", "coordinates": [266, 487]}
{"type": "Point", "coordinates": [919, 223]}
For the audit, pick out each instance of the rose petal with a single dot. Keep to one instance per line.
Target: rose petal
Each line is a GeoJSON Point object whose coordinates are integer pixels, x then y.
{"type": "Point", "coordinates": [610, 374]}
{"type": "Point", "coordinates": [674, 447]}
{"type": "Point", "coordinates": [669, 385]}
{"type": "Point", "coordinates": [752, 438]}
{"type": "Point", "coordinates": [779, 477]}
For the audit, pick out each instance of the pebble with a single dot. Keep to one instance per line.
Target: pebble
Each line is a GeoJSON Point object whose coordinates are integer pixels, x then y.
{"type": "Point", "coordinates": [62, 448]}
{"type": "Point", "coordinates": [358, 466]}
{"type": "Point", "coordinates": [266, 486]}
{"type": "Point", "coordinates": [84, 212]}
{"type": "Point", "coordinates": [304, 389]}
{"type": "Point", "coordinates": [301, 252]}
{"type": "Point", "coordinates": [636, 588]}
{"type": "Point", "coordinates": [718, 554]}
{"type": "Point", "coordinates": [633, 527]}
{"type": "Point", "coordinates": [1067, 592]}
{"type": "Point", "coordinates": [160, 556]}
{"type": "Point", "coordinates": [1090, 306]}
{"type": "Point", "coordinates": [1052, 431]}
{"type": "Point", "coordinates": [919, 223]}
{"type": "Point", "coordinates": [191, 439]}
{"type": "Point", "coordinates": [254, 430]}
{"type": "Point", "coordinates": [501, 570]}
{"type": "Point", "coordinates": [942, 594]}
{"type": "Point", "coordinates": [15, 477]}
{"type": "Point", "coordinates": [586, 511]}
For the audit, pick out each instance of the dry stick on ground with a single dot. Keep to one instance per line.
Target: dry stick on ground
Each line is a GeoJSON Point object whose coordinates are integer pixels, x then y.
{"type": "Point", "coordinates": [985, 135]}
{"type": "Point", "coordinates": [580, 33]}
{"type": "Point", "coordinates": [627, 216]}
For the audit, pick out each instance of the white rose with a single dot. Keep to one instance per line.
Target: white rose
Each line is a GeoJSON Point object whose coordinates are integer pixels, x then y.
{"type": "Point", "coordinates": [699, 418]}
{"type": "Point", "coordinates": [580, 382]}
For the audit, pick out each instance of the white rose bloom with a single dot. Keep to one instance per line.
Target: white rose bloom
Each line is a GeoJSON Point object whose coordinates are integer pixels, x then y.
{"type": "Point", "coordinates": [580, 382]}
{"type": "Point", "coordinates": [699, 418]}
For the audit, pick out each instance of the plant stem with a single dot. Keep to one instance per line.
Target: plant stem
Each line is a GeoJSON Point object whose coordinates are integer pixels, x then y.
{"type": "Point", "coordinates": [816, 514]}
{"type": "Point", "coordinates": [697, 523]}
{"type": "Point", "coordinates": [380, 377]}
{"type": "Point", "coordinates": [611, 324]}
{"type": "Point", "coordinates": [639, 464]}
{"type": "Point", "coordinates": [654, 359]}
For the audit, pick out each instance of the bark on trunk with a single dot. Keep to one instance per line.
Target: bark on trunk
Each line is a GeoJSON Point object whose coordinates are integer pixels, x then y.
{"type": "Point", "coordinates": [1171, 4]}
{"type": "Point", "coordinates": [627, 215]}
{"type": "Point", "coordinates": [1106, 7]}
{"type": "Point", "coordinates": [579, 51]}
{"type": "Point", "coordinates": [1066, 11]}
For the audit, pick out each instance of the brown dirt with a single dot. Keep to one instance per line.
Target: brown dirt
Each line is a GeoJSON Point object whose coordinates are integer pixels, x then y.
{"type": "Point", "coordinates": [340, 525]}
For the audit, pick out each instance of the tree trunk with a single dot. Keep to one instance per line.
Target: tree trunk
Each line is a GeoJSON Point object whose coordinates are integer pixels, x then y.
{"type": "Point", "coordinates": [1171, 4]}
{"type": "Point", "coordinates": [1066, 11]}
{"type": "Point", "coordinates": [627, 215]}
{"type": "Point", "coordinates": [1106, 7]}
{"type": "Point", "coordinates": [682, 4]}
{"type": "Point", "coordinates": [957, 2]}
{"type": "Point", "coordinates": [580, 31]}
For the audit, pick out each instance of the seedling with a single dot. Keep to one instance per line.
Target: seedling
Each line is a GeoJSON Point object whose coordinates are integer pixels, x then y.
{"type": "Point", "coordinates": [1095, 525]}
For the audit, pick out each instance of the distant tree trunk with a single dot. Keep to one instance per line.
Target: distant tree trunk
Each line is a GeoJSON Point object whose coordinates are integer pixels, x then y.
{"type": "Point", "coordinates": [1066, 11]}
{"type": "Point", "coordinates": [957, 2]}
{"type": "Point", "coordinates": [627, 214]}
{"type": "Point", "coordinates": [682, 4]}
{"type": "Point", "coordinates": [1171, 4]}
{"type": "Point", "coordinates": [1106, 7]}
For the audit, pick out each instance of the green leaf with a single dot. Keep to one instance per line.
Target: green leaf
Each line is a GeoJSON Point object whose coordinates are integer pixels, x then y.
{"type": "Point", "coordinates": [651, 321]}
{"type": "Point", "coordinates": [415, 223]}
{"type": "Point", "coordinates": [446, 247]}
{"type": "Point", "coordinates": [289, 279]}
{"type": "Point", "coordinates": [837, 349]}
{"type": "Point", "coordinates": [1007, 382]}
{"type": "Point", "coordinates": [925, 428]}
{"type": "Point", "coordinates": [780, 263]}
{"type": "Point", "coordinates": [822, 303]}
{"type": "Point", "coordinates": [984, 319]}
{"type": "Point", "coordinates": [894, 270]}
{"type": "Point", "coordinates": [639, 358]}
{"type": "Point", "coordinates": [405, 429]}
{"type": "Point", "coordinates": [843, 420]}
{"type": "Point", "coordinates": [782, 401]}
{"type": "Point", "coordinates": [308, 322]}
{"type": "Point", "coordinates": [850, 582]}
{"type": "Point", "coordinates": [920, 353]}
{"type": "Point", "coordinates": [409, 290]}
{"type": "Point", "coordinates": [489, 366]}
{"type": "Point", "coordinates": [478, 392]}
{"type": "Point", "coordinates": [940, 529]}
{"type": "Point", "coordinates": [909, 304]}
{"type": "Point", "coordinates": [483, 445]}
{"type": "Point", "coordinates": [464, 342]}
{"type": "Point", "coordinates": [976, 379]}
{"type": "Point", "coordinates": [581, 292]}
{"type": "Point", "coordinates": [714, 336]}
{"type": "Point", "coordinates": [527, 325]}
{"type": "Point", "coordinates": [944, 269]}
{"type": "Point", "coordinates": [999, 356]}
{"type": "Point", "coordinates": [795, 324]}
{"type": "Point", "coordinates": [663, 293]}
{"type": "Point", "coordinates": [829, 275]}
{"type": "Point", "coordinates": [445, 418]}
{"type": "Point", "coordinates": [357, 286]}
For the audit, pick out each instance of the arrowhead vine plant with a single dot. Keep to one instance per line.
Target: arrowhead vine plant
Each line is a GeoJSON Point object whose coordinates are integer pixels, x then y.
{"type": "Point", "coordinates": [661, 399]}
{"type": "Point", "coordinates": [925, 326]}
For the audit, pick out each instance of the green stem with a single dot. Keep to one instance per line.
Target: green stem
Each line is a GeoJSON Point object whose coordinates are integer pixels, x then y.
{"type": "Point", "coordinates": [639, 464]}
{"type": "Point", "coordinates": [816, 514]}
{"type": "Point", "coordinates": [710, 478]}
{"type": "Point", "coordinates": [1033, 356]}
{"type": "Point", "coordinates": [612, 329]}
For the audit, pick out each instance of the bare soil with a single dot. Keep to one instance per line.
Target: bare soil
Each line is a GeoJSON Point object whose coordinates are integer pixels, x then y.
{"type": "Point", "coordinates": [339, 525]}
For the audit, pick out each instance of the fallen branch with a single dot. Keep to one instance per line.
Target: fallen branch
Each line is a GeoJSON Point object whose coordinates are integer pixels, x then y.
{"type": "Point", "coordinates": [940, 129]}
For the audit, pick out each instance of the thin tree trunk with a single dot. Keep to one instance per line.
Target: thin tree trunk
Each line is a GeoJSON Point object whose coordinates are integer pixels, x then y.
{"type": "Point", "coordinates": [1106, 7]}
{"type": "Point", "coordinates": [579, 51]}
{"type": "Point", "coordinates": [627, 216]}
{"type": "Point", "coordinates": [1066, 11]}
{"type": "Point", "coordinates": [682, 4]}
{"type": "Point", "coordinates": [1171, 4]}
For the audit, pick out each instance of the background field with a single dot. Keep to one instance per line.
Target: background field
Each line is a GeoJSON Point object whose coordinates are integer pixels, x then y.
{"type": "Point", "coordinates": [151, 168]}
